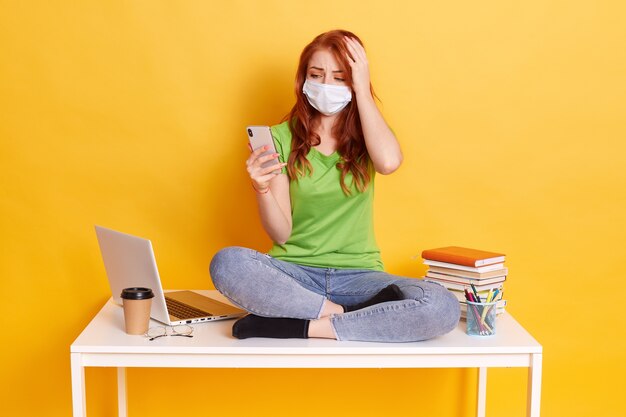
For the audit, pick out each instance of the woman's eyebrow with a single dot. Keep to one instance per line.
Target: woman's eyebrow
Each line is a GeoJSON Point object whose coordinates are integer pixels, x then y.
{"type": "Point", "coordinates": [322, 69]}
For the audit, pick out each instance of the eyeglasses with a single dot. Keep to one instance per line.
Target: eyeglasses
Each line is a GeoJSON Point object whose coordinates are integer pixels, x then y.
{"type": "Point", "coordinates": [160, 331]}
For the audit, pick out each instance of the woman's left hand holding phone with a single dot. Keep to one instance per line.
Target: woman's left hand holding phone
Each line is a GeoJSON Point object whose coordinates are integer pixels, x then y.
{"type": "Point", "coordinates": [260, 176]}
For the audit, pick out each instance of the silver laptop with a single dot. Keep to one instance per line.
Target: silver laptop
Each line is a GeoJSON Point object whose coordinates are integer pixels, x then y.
{"type": "Point", "coordinates": [129, 262]}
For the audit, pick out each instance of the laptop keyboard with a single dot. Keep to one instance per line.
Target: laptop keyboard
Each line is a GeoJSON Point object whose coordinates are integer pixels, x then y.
{"type": "Point", "coordinates": [183, 311]}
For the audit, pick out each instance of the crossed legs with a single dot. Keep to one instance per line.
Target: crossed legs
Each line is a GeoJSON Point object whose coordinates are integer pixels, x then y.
{"type": "Point", "coordinates": [288, 300]}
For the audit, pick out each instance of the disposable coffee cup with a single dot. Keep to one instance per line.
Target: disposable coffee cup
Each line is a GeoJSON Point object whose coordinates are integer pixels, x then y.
{"type": "Point", "coordinates": [137, 302]}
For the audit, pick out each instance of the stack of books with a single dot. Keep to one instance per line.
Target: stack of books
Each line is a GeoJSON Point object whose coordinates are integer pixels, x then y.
{"type": "Point", "coordinates": [458, 268]}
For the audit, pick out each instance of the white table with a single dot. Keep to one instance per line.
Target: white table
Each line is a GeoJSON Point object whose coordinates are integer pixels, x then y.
{"type": "Point", "coordinates": [104, 343]}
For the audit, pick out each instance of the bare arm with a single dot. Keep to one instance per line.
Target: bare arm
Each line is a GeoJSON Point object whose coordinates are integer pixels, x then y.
{"type": "Point", "coordinates": [382, 145]}
{"type": "Point", "coordinates": [272, 195]}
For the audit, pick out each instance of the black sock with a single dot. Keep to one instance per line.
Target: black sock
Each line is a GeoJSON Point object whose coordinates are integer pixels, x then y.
{"type": "Point", "coordinates": [277, 328]}
{"type": "Point", "coordinates": [389, 293]}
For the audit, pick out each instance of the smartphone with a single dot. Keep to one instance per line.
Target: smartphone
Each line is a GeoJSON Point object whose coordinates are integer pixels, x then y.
{"type": "Point", "coordinates": [261, 136]}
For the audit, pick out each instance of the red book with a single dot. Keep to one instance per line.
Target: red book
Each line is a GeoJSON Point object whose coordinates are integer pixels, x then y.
{"type": "Point", "coordinates": [463, 256]}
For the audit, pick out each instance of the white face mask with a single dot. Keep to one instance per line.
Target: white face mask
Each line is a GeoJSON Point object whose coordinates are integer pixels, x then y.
{"type": "Point", "coordinates": [326, 98]}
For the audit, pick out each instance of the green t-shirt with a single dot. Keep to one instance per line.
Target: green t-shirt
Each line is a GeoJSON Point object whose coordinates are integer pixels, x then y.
{"type": "Point", "coordinates": [330, 229]}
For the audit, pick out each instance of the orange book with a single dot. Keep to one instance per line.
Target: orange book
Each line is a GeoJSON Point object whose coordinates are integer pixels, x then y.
{"type": "Point", "coordinates": [463, 256]}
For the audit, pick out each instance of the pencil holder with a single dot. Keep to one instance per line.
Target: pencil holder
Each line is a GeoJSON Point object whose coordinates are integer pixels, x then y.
{"type": "Point", "coordinates": [481, 319]}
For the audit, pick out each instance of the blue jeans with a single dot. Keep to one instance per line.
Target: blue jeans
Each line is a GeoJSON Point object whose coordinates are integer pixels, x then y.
{"type": "Point", "coordinates": [269, 287]}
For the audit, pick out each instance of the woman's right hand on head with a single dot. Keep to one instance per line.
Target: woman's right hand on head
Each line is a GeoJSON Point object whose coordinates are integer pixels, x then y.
{"type": "Point", "coordinates": [260, 176]}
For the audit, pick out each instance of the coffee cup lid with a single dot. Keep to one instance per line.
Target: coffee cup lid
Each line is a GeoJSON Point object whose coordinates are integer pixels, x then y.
{"type": "Point", "coordinates": [137, 293]}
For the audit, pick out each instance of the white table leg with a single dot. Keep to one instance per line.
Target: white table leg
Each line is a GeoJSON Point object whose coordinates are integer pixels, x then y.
{"type": "Point", "coordinates": [481, 406]}
{"type": "Point", "coordinates": [79, 404]}
{"type": "Point", "coordinates": [534, 385]}
{"type": "Point", "coordinates": [121, 392]}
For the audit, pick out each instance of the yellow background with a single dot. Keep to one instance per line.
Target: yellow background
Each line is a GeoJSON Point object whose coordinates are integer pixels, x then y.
{"type": "Point", "coordinates": [130, 114]}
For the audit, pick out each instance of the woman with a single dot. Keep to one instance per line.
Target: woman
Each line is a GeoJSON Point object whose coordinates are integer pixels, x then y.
{"type": "Point", "coordinates": [324, 276]}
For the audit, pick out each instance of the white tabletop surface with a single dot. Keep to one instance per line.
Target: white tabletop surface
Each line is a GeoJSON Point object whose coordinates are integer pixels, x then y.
{"type": "Point", "coordinates": [105, 334]}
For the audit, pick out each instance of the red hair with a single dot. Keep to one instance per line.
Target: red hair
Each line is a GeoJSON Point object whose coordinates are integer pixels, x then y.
{"type": "Point", "coordinates": [347, 129]}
